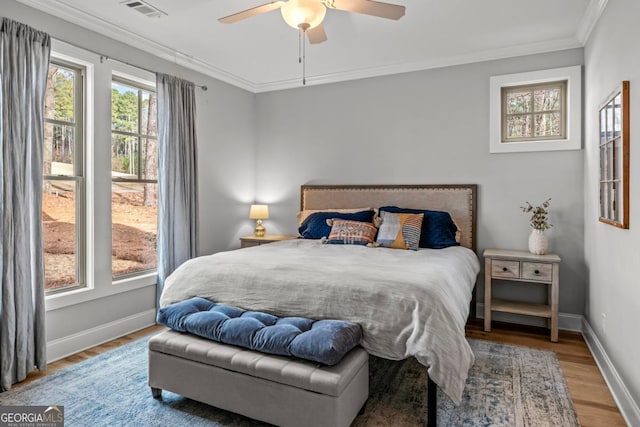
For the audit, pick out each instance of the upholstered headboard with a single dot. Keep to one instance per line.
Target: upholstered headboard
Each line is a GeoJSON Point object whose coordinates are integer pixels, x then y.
{"type": "Point", "coordinates": [458, 200]}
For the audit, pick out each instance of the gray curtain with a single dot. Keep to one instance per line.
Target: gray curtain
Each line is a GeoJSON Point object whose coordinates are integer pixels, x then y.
{"type": "Point", "coordinates": [177, 187]}
{"type": "Point", "coordinates": [24, 60]}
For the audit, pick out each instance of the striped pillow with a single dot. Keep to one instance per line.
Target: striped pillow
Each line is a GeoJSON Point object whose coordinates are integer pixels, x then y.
{"type": "Point", "coordinates": [400, 230]}
{"type": "Point", "coordinates": [345, 232]}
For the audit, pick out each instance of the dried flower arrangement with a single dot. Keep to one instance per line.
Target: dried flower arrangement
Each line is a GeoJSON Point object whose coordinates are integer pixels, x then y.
{"type": "Point", "coordinates": [539, 220]}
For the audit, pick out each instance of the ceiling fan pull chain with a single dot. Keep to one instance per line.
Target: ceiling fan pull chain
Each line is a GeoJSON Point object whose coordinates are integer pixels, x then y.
{"type": "Point", "coordinates": [302, 50]}
{"type": "Point", "coordinates": [300, 35]}
{"type": "Point", "coordinates": [304, 60]}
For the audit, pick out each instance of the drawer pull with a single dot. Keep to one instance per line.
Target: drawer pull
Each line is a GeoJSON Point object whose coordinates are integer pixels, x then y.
{"type": "Point", "coordinates": [505, 269]}
{"type": "Point", "coordinates": [536, 271]}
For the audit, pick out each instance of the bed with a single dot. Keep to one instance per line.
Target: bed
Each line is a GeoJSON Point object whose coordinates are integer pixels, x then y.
{"type": "Point", "coordinates": [418, 311]}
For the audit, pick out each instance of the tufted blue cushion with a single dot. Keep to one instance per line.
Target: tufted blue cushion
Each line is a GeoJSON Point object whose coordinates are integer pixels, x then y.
{"type": "Point", "coordinates": [323, 341]}
{"type": "Point", "coordinates": [438, 229]}
{"type": "Point", "coordinates": [316, 227]}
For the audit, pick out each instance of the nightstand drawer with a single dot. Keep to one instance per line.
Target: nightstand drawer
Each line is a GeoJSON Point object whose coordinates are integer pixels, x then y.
{"type": "Point", "coordinates": [536, 271]}
{"type": "Point", "coordinates": [505, 269]}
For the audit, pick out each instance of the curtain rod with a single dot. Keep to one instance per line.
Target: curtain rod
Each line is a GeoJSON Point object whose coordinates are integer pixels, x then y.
{"type": "Point", "coordinates": [104, 57]}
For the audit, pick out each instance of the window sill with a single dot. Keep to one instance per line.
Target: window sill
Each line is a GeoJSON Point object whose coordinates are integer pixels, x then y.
{"type": "Point", "coordinates": [79, 296]}
{"type": "Point", "coordinates": [529, 146]}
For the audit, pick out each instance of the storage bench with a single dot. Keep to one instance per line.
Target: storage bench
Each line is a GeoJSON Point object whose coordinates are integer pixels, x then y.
{"type": "Point", "coordinates": [275, 389]}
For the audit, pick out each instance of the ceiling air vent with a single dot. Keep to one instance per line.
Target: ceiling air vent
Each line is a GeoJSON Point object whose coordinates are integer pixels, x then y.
{"type": "Point", "coordinates": [144, 8]}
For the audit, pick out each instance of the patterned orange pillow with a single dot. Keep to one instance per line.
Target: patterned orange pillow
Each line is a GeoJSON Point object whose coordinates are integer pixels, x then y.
{"type": "Point", "coordinates": [345, 232]}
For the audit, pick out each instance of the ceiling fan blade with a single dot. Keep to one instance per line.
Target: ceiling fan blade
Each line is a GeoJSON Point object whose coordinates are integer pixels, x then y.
{"type": "Point", "coordinates": [267, 7]}
{"type": "Point", "coordinates": [368, 7]}
{"type": "Point", "coordinates": [316, 34]}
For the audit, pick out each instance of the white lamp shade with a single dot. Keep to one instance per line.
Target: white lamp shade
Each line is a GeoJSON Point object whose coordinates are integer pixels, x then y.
{"type": "Point", "coordinates": [259, 212]}
{"type": "Point", "coordinates": [297, 12]}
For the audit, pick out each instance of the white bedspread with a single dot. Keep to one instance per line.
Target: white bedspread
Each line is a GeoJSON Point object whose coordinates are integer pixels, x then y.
{"type": "Point", "coordinates": [409, 303]}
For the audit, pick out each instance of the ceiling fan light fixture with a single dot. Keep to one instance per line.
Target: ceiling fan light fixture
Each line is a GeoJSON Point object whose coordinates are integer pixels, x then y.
{"type": "Point", "coordinates": [303, 13]}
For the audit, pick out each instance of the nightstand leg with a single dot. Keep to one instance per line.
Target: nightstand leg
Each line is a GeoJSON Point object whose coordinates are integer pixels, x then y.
{"type": "Point", "coordinates": [487, 294]}
{"type": "Point", "coordinates": [555, 296]}
{"type": "Point", "coordinates": [549, 288]}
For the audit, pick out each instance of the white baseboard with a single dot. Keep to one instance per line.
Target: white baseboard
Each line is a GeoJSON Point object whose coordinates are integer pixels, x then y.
{"type": "Point", "coordinates": [628, 407]}
{"type": "Point", "coordinates": [71, 344]}
{"type": "Point", "coordinates": [566, 321]}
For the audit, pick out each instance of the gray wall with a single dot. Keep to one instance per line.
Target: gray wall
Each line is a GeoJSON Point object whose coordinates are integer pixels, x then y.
{"type": "Point", "coordinates": [427, 127]}
{"type": "Point", "coordinates": [225, 161]}
{"type": "Point", "coordinates": [612, 54]}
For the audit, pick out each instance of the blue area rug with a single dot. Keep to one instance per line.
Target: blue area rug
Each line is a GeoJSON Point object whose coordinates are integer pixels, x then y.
{"type": "Point", "coordinates": [507, 386]}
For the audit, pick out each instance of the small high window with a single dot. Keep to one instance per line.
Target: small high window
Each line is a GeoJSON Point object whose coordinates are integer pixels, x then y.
{"type": "Point", "coordinates": [534, 112]}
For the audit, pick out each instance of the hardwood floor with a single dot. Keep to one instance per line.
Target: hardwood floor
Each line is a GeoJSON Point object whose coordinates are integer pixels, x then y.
{"type": "Point", "coordinates": [87, 354]}
{"type": "Point", "coordinates": [589, 393]}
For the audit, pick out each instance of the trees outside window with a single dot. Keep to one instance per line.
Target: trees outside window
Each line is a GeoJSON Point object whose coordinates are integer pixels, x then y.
{"type": "Point", "coordinates": [86, 170]}
{"type": "Point", "coordinates": [134, 174]}
{"type": "Point", "coordinates": [534, 112]}
{"type": "Point", "coordinates": [63, 171]}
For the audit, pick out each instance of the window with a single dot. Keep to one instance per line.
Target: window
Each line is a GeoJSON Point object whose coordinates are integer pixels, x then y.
{"type": "Point", "coordinates": [536, 111]}
{"type": "Point", "coordinates": [78, 176]}
{"type": "Point", "coordinates": [63, 173]}
{"type": "Point", "coordinates": [134, 174]}
{"type": "Point", "coordinates": [614, 158]}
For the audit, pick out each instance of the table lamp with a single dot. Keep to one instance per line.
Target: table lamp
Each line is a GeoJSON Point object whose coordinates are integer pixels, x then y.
{"type": "Point", "coordinates": [259, 212]}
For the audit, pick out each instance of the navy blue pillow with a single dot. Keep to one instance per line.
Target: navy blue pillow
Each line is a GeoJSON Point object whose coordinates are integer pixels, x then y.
{"type": "Point", "coordinates": [438, 229]}
{"type": "Point", "coordinates": [316, 227]}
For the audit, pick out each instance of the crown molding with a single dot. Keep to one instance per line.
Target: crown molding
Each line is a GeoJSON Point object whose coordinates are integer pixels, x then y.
{"type": "Point", "coordinates": [590, 19]}
{"type": "Point", "coordinates": [480, 56]}
{"type": "Point", "coordinates": [63, 10]}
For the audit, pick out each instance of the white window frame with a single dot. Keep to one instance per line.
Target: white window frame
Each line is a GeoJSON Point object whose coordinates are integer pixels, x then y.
{"type": "Point", "coordinates": [143, 80]}
{"type": "Point", "coordinates": [79, 176]}
{"type": "Point", "coordinates": [573, 138]}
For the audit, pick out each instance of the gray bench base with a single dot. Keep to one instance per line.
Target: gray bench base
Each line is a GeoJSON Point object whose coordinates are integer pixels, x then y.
{"type": "Point", "coordinates": [273, 389]}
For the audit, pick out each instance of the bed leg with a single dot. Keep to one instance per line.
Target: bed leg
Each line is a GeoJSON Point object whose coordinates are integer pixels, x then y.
{"type": "Point", "coordinates": [156, 392]}
{"type": "Point", "coordinates": [432, 403]}
{"type": "Point", "coordinates": [364, 407]}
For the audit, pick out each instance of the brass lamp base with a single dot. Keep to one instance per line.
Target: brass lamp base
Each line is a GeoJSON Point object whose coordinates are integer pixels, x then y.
{"type": "Point", "coordinates": [260, 231]}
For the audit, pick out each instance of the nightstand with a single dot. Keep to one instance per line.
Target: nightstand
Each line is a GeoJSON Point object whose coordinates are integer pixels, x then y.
{"type": "Point", "coordinates": [249, 241]}
{"type": "Point", "coordinates": [520, 266]}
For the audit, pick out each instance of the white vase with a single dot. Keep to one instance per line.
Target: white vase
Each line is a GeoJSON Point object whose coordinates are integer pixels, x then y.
{"type": "Point", "coordinates": [537, 242]}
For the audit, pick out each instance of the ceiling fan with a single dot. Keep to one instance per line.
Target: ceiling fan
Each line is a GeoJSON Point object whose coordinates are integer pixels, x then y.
{"type": "Point", "coordinates": [307, 15]}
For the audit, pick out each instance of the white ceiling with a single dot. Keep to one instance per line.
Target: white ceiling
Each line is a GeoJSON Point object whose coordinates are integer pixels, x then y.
{"type": "Point", "coordinates": [261, 53]}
